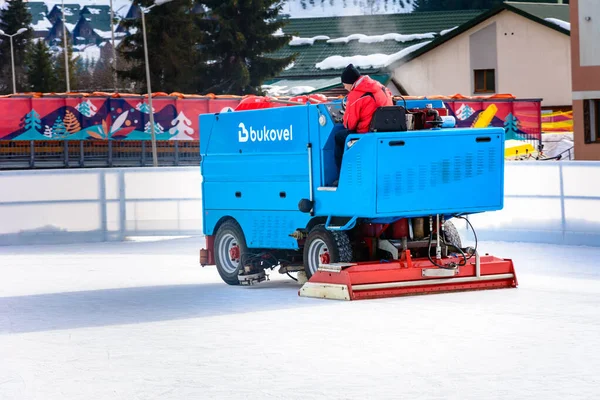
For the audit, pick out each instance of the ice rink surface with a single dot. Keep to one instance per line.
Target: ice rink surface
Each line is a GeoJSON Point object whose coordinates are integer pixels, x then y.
{"type": "Point", "coordinates": [142, 320]}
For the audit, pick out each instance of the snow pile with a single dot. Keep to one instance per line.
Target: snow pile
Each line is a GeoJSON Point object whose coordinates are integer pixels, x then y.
{"type": "Point", "coordinates": [445, 31]}
{"type": "Point", "coordinates": [361, 38]}
{"type": "Point", "coordinates": [276, 91]}
{"type": "Point", "coordinates": [559, 22]}
{"type": "Point", "coordinates": [298, 41]}
{"type": "Point", "coordinates": [370, 61]}
{"type": "Point", "coordinates": [398, 37]}
{"type": "Point", "coordinates": [278, 32]}
{"type": "Point", "coordinates": [94, 10]}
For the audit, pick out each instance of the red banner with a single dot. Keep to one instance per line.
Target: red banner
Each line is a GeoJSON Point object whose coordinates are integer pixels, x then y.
{"type": "Point", "coordinates": [104, 118]}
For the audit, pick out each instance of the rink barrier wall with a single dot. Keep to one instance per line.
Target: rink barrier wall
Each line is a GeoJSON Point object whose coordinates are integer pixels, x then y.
{"type": "Point", "coordinates": [95, 205]}
{"type": "Point", "coordinates": [545, 202]}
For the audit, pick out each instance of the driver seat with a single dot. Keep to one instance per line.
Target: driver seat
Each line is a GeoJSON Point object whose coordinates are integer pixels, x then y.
{"type": "Point", "coordinates": [389, 119]}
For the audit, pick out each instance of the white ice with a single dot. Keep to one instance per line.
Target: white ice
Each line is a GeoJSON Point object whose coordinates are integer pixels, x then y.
{"type": "Point", "coordinates": [142, 320]}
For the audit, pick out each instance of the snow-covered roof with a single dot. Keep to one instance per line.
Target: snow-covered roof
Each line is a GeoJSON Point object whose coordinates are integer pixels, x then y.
{"type": "Point", "coordinates": [42, 25]}
{"type": "Point", "coordinates": [108, 35]}
{"type": "Point", "coordinates": [559, 22]}
{"type": "Point", "coordinates": [369, 61]}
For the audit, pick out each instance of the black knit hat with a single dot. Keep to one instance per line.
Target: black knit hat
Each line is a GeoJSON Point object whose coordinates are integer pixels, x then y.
{"type": "Point", "coordinates": [350, 74]}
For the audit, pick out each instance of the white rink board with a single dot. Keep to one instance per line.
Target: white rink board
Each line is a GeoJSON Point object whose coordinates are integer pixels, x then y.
{"type": "Point", "coordinates": [545, 202]}
{"type": "Point", "coordinates": [66, 206]}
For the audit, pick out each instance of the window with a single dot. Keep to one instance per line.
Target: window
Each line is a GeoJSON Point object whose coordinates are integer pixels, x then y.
{"type": "Point", "coordinates": [485, 81]}
{"type": "Point", "coordinates": [591, 121]}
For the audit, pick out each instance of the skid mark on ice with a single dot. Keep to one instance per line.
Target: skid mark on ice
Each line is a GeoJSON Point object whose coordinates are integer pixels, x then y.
{"type": "Point", "coordinates": [69, 310]}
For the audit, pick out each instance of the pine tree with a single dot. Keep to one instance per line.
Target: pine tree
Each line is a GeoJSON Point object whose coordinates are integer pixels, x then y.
{"type": "Point", "coordinates": [241, 37]}
{"type": "Point", "coordinates": [174, 37]}
{"type": "Point", "coordinates": [14, 16]}
{"type": "Point", "coordinates": [40, 69]}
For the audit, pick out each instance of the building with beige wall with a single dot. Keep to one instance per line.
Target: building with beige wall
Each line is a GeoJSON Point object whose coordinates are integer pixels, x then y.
{"type": "Point", "coordinates": [585, 53]}
{"type": "Point", "coordinates": [519, 48]}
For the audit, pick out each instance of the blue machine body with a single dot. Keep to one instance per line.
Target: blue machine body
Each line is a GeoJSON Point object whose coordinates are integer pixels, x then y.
{"type": "Point", "coordinates": [257, 165]}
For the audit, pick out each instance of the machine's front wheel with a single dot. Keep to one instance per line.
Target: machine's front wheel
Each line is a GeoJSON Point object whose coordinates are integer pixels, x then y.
{"type": "Point", "coordinates": [230, 246]}
{"type": "Point", "coordinates": [323, 247]}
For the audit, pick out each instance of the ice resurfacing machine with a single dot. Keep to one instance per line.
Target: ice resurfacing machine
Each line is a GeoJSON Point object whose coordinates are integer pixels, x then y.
{"type": "Point", "coordinates": [383, 230]}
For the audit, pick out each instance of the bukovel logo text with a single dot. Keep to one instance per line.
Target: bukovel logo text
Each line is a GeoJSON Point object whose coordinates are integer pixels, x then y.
{"type": "Point", "coordinates": [264, 134]}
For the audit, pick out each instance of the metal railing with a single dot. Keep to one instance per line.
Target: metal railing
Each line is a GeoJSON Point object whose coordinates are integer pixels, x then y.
{"type": "Point", "coordinates": [95, 154]}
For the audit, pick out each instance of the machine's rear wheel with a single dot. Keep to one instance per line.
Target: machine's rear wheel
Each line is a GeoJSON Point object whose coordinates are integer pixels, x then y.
{"type": "Point", "coordinates": [230, 246]}
{"type": "Point", "coordinates": [324, 246]}
{"type": "Point", "coordinates": [451, 235]}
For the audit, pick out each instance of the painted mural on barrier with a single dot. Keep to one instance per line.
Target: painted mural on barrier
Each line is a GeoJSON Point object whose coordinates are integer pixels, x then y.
{"type": "Point", "coordinates": [176, 118]}
{"type": "Point", "coordinates": [521, 119]}
{"type": "Point", "coordinates": [104, 118]}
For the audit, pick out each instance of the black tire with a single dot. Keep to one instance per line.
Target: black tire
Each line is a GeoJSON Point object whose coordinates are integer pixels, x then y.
{"type": "Point", "coordinates": [451, 235]}
{"type": "Point", "coordinates": [336, 243]}
{"type": "Point", "coordinates": [228, 234]}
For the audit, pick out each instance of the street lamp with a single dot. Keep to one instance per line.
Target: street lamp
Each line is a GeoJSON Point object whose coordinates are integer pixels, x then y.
{"type": "Point", "coordinates": [12, 56]}
{"type": "Point", "coordinates": [65, 47]}
{"type": "Point", "coordinates": [145, 10]}
{"type": "Point", "coordinates": [112, 35]}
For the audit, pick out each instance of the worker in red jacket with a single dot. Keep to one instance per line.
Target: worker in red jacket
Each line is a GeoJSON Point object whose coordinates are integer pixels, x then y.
{"type": "Point", "coordinates": [364, 97]}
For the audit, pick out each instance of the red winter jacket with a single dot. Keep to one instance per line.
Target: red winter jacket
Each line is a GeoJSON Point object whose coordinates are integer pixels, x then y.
{"type": "Point", "coordinates": [364, 98]}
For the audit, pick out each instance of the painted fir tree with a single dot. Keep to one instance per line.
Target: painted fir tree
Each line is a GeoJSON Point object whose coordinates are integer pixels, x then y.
{"type": "Point", "coordinates": [87, 108]}
{"type": "Point", "coordinates": [58, 128]}
{"type": "Point", "coordinates": [71, 123]}
{"type": "Point", "coordinates": [181, 128]}
{"type": "Point", "coordinates": [511, 127]}
{"type": "Point", "coordinates": [157, 128]}
{"type": "Point", "coordinates": [48, 131]}
{"type": "Point", "coordinates": [32, 122]}
{"type": "Point", "coordinates": [241, 35]}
